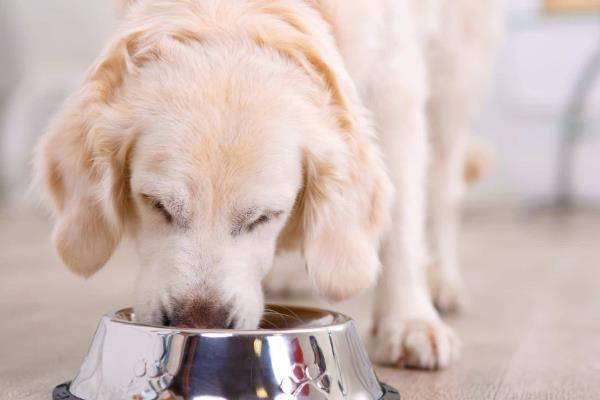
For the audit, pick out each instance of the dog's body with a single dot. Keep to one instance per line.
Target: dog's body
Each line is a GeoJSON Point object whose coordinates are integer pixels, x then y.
{"type": "Point", "coordinates": [218, 131]}
{"type": "Point", "coordinates": [419, 66]}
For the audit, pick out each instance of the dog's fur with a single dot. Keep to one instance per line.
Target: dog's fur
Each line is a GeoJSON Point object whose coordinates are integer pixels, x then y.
{"type": "Point", "coordinates": [218, 132]}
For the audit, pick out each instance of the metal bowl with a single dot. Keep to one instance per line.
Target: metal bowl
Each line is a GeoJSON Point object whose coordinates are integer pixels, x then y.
{"type": "Point", "coordinates": [299, 353]}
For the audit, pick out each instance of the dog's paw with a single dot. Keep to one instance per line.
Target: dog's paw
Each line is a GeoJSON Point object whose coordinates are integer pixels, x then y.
{"type": "Point", "coordinates": [447, 293]}
{"type": "Point", "coordinates": [427, 344]}
{"type": "Point", "coordinates": [448, 297]}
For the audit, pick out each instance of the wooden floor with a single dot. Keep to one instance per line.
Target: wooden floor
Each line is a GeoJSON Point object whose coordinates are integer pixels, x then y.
{"type": "Point", "coordinates": [532, 330]}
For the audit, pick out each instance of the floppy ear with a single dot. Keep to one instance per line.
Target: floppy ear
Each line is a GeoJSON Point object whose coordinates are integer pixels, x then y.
{"type": "Point", "coordinates": [343, 209]}
{"type": "Point", "coordinates": [82, 163]}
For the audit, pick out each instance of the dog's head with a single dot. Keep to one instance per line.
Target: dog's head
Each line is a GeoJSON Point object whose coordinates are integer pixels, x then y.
{"type": "Point", "coordinates": [213, 154]}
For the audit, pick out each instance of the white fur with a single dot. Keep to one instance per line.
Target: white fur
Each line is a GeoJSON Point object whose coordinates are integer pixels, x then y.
{"type": "Point", "coordinates": [218, 107]}
{"type": "Point", "coordinates": [409, 57]}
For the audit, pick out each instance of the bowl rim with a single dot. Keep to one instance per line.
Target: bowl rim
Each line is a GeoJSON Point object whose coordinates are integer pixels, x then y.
{"type": "Point", "coordinates": [340, 322]}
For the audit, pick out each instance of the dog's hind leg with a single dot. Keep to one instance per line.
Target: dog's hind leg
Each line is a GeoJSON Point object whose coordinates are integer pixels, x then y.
{"type": "Point", "coordinates": [446, 184]}
{"type": "Point", "coordinates": [458, 59]}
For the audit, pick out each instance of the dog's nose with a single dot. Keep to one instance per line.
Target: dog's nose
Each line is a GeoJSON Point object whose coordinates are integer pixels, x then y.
{"type": "Point", "coordinates": [200, 314]}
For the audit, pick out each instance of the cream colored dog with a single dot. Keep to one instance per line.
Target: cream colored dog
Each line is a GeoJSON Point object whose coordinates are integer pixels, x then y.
{"type": "Point", "coordinates": [218, 132]}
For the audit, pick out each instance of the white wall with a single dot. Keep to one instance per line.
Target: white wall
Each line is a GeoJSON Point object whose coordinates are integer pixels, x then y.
{"type": "Point", "coordinates": [45, 48]}
{"type": "Point", "coordinates": [58, 33]}
{"type": "Point", "coordinates": [46, 45]}
{"type": "Point", "coordinates": [537, 67]}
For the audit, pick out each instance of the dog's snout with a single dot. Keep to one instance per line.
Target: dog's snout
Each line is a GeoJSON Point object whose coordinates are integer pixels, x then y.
{"type": "Point", "coordinates": [199, 314]}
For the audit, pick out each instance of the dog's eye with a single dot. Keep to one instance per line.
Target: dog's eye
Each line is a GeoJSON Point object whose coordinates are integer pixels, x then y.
{"type": "Point", "coordinates": [263, 219]}
{"type": "Point", "coordinates": [246, 222]}
{"type": "Point", "coordinates": [160, 207]}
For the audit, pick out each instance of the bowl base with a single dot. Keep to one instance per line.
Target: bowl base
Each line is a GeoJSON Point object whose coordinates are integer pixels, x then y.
{"type": "Point", "coordinates": [61, 392]}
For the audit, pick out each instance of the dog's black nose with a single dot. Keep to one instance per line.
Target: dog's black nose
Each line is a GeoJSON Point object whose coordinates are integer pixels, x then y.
{"type": "Point", "coordinates": [199, 314]}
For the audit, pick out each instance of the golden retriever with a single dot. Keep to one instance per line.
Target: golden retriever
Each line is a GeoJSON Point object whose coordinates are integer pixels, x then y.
{"type": "Point", "coordinates": [219, 132]}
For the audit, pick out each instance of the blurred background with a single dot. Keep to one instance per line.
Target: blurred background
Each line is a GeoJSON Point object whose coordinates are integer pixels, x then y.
{"type": "Point", "coordinates": [530, 250]}
{"type": "Point", "coordinates": [546, 57]}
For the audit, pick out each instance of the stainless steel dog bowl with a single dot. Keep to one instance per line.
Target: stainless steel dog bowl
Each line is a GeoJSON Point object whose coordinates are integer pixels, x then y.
{"type": "Point", "coordinates": [300, 353]}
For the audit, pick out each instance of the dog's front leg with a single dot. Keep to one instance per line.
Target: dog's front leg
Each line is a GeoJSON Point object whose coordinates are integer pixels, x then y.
{"type": "Point", "coordinates": [408, 330]}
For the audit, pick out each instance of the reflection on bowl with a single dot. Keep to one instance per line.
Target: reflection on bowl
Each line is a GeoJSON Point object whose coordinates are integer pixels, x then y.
{"type": "Point", "coordinates": [298, 353]}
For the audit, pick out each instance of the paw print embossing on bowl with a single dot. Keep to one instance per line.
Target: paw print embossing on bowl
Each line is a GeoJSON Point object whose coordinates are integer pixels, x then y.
{"type": "Point", "coordinates": [312, 355]}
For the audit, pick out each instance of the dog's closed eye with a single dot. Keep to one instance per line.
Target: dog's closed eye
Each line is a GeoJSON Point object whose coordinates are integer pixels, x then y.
{"type": "Point", "coordinates": [263, 219]}
{"type": "Point", "coordinates": [248, 221]}
{"type": "Point", "coordinates": [159, 207]}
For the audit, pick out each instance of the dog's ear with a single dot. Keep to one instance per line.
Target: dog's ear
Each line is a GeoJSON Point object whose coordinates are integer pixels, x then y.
{"type": "Point", "coordinates": [343, 208]}
{"type": "Point", "coordinates": [82, 163]}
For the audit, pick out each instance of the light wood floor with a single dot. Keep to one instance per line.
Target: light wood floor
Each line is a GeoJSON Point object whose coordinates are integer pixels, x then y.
{"type": "Point", "coordinates": [532, 330]}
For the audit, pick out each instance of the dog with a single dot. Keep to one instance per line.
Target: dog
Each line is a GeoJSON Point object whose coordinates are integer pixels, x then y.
{"type": "Point", "coordinates": [218, 133]}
